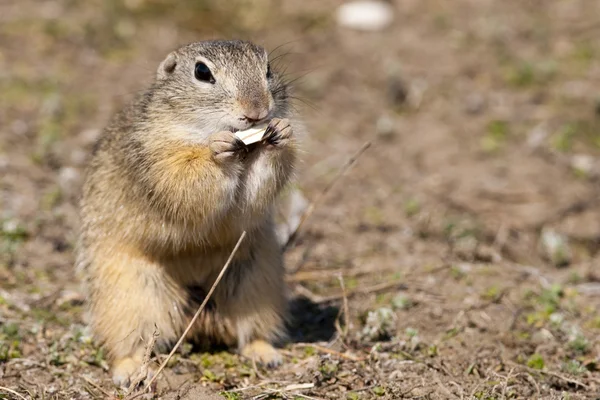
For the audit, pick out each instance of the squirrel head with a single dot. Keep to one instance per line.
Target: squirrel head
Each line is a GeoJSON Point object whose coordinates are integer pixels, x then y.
{"type": "Point", "coordinates": [212, 86]}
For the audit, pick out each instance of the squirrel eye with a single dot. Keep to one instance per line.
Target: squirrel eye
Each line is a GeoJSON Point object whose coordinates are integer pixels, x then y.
{"type": "Point", "coordinates": [269, 73]}
{"type": "Point", "coordinates": [202, 73]}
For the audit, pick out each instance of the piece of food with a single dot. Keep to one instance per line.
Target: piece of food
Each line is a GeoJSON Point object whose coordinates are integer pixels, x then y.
{"type": "Point", "coordinates": [252, 135]}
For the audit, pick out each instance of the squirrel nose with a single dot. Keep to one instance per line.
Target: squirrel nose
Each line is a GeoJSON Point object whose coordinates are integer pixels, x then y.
{"type": "Point", "coordinates": [255, 114]}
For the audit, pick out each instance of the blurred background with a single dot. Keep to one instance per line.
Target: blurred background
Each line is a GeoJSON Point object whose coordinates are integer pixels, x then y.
{"type": "Point", "coordinates": [467, 235]}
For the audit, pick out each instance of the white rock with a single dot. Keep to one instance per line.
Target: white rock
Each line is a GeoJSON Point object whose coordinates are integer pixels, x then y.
{"type": "Point", "coordinates": [385, 127]}
{"type": "Point", "coordinates": [365, 15]}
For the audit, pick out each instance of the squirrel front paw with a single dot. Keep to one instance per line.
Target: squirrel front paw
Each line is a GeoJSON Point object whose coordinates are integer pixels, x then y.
{"type": "Point", "coordinates": [225, 146]}
{"type": "Point", "coordinates": [278, 132]}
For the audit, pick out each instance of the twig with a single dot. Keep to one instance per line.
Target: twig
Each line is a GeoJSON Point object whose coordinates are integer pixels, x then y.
{"type": "Point", "coordinates": [346, 308]}
{"type": "Point", "coordinates": [407, 391]}
{"type": "Point", "coordinates": [13, 392]}
{"type": "Point", "coordinates": [251, 387]}
{"type": "Point", "coordinates": [549, 373]}
{"type": "Point", "coordinates": [256, 371]}
{"type": "Point", "coordinates": [299, 386]}
{"type": "Point", "coordinates": [444, 388]}
{"type": "Point", "coordinates": [200, 309]}
{"type": "Point", "coordinates": [380, 287]}
{"type": "Point", "coordinates": [590, 288]}
{"type": "Point", "coordinates": [311, 207]}
{"type": "Point", "coordinates": [305, 396]}
{"type": "Point", "coordinates": [362, 389]}
{"type": "Point", "coordinates": [143, 373]}
{"type": "Point", "coordinates": [320, 275]}
{"type": "Point", "coordinates": [330, 351]}
{"type": "Point", "coordinates": [269, 392]}
{"type": "Point", "coordinates": [94, 384]}
{"type": "Point", "coordinates": [462, 392]}
{"type": "Point", "coordinates": [531, 380]}
{"type": "Point", "coordinates": [428, 364]}
{"type": "Point", "coordinates": [92, 392]}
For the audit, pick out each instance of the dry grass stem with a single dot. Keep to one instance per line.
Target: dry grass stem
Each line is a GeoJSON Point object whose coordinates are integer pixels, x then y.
{"type": "Point", "coordinates": [346, 307]}
{"type": "Point", "coordinates": [330, 351]}
{"type": "Point", "coordinates": [20, 396]}
{"type": "Point", "coordinates": [378, 288]}
{"type": "Point", "coordinates": [299, 386]}
{"type": "Point", "coordinates": [550, 373]}
{"type": "Point", "coordinates": [447, 391]}
{"type": "Point", "coordinates": [96, 386]}
{"type": "Point", "coordinates": [146, 361]}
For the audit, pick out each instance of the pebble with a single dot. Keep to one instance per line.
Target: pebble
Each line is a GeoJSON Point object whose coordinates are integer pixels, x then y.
{"type": "Point", "coordinates": [365, 15]}
{"type": "Point", "coordinates": [386, 127]}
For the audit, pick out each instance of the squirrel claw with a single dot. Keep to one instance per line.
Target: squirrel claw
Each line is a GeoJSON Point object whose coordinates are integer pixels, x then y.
{"type": "Point", "coordinates": [278, 132]}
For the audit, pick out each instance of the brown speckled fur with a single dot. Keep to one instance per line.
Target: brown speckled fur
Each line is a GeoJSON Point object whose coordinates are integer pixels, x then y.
{"type": "Point", "coordinates": [161, 212]}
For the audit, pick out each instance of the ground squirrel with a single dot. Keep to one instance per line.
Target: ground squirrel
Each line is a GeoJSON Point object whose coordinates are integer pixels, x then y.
{"type": "Point", "coordinates": [169, 191]}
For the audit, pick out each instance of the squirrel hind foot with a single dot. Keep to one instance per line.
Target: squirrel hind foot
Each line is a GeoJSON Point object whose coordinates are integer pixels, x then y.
{"type": "Point", "coordinates": [263, 353]}
{"type": "Point", "coordinates": [130, 370]}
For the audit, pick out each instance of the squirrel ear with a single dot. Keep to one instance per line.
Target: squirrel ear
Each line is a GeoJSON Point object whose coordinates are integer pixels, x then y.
{"type": "Point", "coordinates": [167, 66]}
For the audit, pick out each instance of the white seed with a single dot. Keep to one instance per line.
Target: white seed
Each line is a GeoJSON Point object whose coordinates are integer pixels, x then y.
{"type": "Point", "coordinates": [251, 135]}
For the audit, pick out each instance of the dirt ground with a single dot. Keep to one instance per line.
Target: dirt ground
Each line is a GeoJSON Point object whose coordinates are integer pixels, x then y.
{"type": "Point", "coordinates": [467, 237]}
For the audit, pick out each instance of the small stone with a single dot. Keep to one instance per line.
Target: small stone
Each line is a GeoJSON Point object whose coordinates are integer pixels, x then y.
{"type": "Point", "coordinates": [542, 336]}
{"type": "Point", "coordinates": [365, 15]}
{"type": "Point", "coordinates": [385, 127]}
